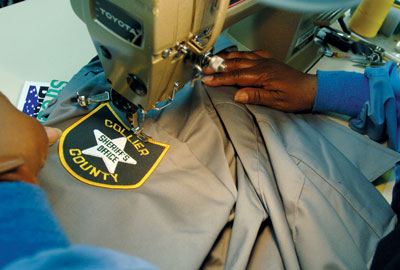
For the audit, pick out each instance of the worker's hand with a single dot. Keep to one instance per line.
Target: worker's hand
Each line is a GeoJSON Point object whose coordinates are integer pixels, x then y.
{"type": "Point", "coordinates": [23, 144]}
{"type": "Point", "coordinates": [265, 81]}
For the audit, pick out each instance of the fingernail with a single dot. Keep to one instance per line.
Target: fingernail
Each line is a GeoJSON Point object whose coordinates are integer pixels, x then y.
{"type": "Point", "coordinates": [241, 97]}
{"type": "Point", "coordinates": [53, 134]}
{"type": "Point", "coordinates": [207, 78]}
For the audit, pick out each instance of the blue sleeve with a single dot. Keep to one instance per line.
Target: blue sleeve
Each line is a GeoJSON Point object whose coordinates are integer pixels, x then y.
{"type": "Point", "coordinates": [341, 92]}
{"type": "Point", "coordinates": [80, 257]}
{"type": "Point", "coordinates": [27, 224]}
{"type": "Point", "coordinates": [32, 238]}
{"type": "Point", "coordinates": [372, 99]}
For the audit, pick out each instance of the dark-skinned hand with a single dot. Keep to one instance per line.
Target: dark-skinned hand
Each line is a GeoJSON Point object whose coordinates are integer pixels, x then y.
{"type": "Point", "coordinates": [23, 144]}
{"type": "Point", "coordinates": [265, 81]}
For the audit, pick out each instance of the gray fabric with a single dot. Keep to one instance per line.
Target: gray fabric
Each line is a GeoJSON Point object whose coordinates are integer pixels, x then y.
{"type": "Point", "coordinates": [299, 196]}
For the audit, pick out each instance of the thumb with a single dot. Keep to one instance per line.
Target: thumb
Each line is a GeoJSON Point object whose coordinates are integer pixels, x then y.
{"type": "Point", "coordinates": [255, 96]}
{"type": "Point", "coordinates": [53, 134]}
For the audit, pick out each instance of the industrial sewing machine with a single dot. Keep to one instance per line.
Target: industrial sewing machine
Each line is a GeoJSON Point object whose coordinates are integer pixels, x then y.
{"type": "Point", "coordinates": [150, 48]}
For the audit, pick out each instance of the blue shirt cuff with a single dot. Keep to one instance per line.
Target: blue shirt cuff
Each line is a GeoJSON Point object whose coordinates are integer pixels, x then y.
{"type": "Point", "coordinates": [341, 92]}
{"type": "Point", "coordinates": [27, 223]}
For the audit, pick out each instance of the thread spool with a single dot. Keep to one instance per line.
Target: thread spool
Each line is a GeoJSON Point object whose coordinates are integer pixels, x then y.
{"type": "Point", "coordinates": [369, 17]}
{"type": "Point", "coordinates": [391, 25]}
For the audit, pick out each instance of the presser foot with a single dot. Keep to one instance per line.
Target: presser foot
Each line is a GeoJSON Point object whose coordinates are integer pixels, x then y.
{"type": "Point", "coordinates": [136, 128]}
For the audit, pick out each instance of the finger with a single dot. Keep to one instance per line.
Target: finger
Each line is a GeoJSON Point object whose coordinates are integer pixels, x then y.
{"type": "Point", "coordinates": [238, 56]}
{"type": "Point", "coordinates": [53, 134]}
{"type": "Point", "coordinates": [233, 64]}
{"type": "Point", "coordinates": [242, 77]}
{"type": "Point", "coordinates": [208, 70]}
{"type": "Point", "coordinates": [257, 96]}
{"type": "Point", "coordinates": [239, 63]}
{"type": "Point", "coordinates": [262, 54]}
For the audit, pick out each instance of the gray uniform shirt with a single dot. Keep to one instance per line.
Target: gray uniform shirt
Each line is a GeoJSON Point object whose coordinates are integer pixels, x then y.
{"type": "Point", "coordinates": [241, 186]}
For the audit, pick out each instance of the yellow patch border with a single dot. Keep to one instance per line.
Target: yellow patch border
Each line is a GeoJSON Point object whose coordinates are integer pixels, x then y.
{"type": "Point", "coordinates": [80, 178]}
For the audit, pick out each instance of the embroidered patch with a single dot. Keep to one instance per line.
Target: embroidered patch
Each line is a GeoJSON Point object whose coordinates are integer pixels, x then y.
{"type": "Point", "coordinates": [100, 150]}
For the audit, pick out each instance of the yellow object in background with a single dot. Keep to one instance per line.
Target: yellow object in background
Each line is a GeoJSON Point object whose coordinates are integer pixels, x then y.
{"type": "Point", "coordinates": [369, 16]}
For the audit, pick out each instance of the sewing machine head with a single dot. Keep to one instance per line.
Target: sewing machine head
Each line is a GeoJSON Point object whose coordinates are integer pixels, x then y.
{"type": "Point", "coordinates": [150, 48]}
